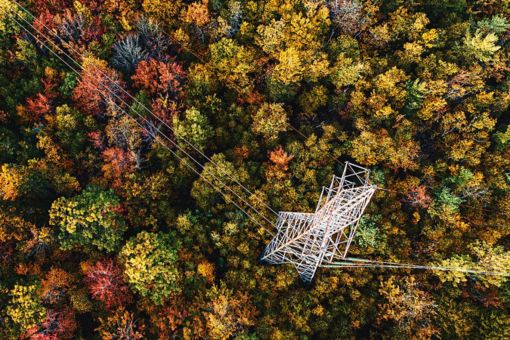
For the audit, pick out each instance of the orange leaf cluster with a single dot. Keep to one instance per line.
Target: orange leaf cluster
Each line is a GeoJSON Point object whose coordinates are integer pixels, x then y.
{"type": "Point", "coordinates": [158, 77]}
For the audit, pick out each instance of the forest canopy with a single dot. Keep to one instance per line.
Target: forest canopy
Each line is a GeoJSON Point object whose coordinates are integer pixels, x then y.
{"type": "Point", "coordinates": [145, 146]}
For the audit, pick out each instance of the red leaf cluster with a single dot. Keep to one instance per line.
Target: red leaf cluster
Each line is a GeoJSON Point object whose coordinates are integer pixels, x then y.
{"type": "Point", "coordinates": [164, 109]}
{"type": "Point", "coordinates": [280, 158]}
{"type": "Point", "coordinates": [52, 6]}
{"type": "Point", "coordinates": [38, 106]}
{"type": "Point", "coordinates": [57, 325]}
{"type": "Point", "coordinates": [96, 139]}
{"type": "Point", "coordinates": [173, 320]}
{"type": "Point", "coordinates": [44, 22]}
{"type": "Point", "coordinates": [106, 284]}
{"type": "Point", "coordinates": [98, 87]}
{"type": "Point", "coordinates": [419, 197]}
{"type": "Point", "coordinates": [157, 77]}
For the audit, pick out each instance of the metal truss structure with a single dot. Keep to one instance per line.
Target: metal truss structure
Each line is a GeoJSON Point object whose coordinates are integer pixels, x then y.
{"type": "Point", "coordinates": [310, 240]}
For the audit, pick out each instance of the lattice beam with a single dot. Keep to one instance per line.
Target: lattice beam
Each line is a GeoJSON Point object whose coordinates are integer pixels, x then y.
{"type": "Point", "coordinates": [308, 240]}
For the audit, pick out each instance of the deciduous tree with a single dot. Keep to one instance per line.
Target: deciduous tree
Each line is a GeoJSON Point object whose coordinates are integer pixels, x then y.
{"type": "Point", "coordinates": [25, 308]}
{"type": "Point", "coordinates": [151, 265]}
{"type": "Point", "coordinates": [90, 219]}
{"type": "Point", "coordinates": [106, 283]}
{"type": "Point", "coordinates": [230, 315]}
{"type": "Point", "coordinates": [98, 87]}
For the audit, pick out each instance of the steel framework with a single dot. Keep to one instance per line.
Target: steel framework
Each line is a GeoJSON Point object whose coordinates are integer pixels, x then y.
{"type": "Point", "coordinates": [309, 240]}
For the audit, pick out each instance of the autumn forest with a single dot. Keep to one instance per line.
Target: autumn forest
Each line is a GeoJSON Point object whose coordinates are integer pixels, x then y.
{"type": "Point", "coordinates": [145, 147]}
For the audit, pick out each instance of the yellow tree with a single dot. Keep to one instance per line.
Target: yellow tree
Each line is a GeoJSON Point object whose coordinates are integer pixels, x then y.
{"type": "Point", "coordinates": [233, 64]}
{"type": "Point", "coordinates": [230, 313]}
{"type": "Point", "coordinates": [411, 308]}
{"type": "Point", "coordinates": [270, 120]}
{"type": "Point", "coordinates": [165, 11]}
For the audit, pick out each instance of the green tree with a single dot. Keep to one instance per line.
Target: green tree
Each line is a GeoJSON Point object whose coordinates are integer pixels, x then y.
{"type": "Point", "coordinates": [497, 24]}
{"type": "Point", "coordinates": [445, 203]}
{"type": "Point", "coordinates": [368, 234]}
{"type": "Point", "coordinates": [194, 127]}
{"type": "Point", "coordinates": [91, 218]}
{"type": "Point", "coordinates": [221, 174]}
{"type": "Point", "coordinates": [481, 46]}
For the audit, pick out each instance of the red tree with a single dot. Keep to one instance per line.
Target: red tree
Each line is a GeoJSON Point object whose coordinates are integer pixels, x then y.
{"type": "Point", "coordinates": [57, 325]}
{"type": "Point", "coordinates": [52, 6]}
{"type": "Point", "coordinates": [44, 22]}
{"type": "Point", "coordinates": [38, 106]}
{"type": "Point", "coordinates": [157, 77]}
{"type": "Point", "coordinates": [165, 109]}
{"type": "Point", "coordinates": [96, 139]}
{"type": "Point", "coordinates": [419, 197]}
{"type": "Point", "coordinates": [99, 86]}
{"type": "Point", "coordinates": [106, 284]}
{"type": "Point", "coordinates": [117, 164]}
{"type": "Point", "coordinates": [175, 319]}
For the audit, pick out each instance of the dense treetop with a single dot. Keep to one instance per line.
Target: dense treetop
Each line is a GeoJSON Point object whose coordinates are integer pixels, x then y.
{"type": "Point", "coordinates": [109, 230]}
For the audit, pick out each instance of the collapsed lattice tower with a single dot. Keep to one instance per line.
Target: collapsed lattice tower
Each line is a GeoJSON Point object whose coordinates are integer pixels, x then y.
{"type": "Point", "coordinates": [309, 240]}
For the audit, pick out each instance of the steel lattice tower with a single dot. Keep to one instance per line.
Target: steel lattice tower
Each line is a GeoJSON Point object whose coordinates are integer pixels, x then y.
{"type": "Point", "coordinates": [309, 240]}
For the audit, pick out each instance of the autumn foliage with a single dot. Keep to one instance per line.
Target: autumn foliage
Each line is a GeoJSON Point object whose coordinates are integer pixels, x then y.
{"type": "Point", "coordinates": [106, 283]}
{"type": "Point", "coordinates": [99, 88]}
{"type": "Point", "coordinates": [56, 325]}
{"type": "Point", "coordinates": [143, 164]}
{"type": "Point", "coordinates": [158, 77]}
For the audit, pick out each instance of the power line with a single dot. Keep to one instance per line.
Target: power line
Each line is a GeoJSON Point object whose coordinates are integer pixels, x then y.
{"type": "Point", "coordinates": [346, 262]}
{"type": "Point", "coordinates": [193, 146]}
{"type": "Point", "coordinates": [379, 264]}
{"type": "Point", "coordinates": [216, 68]}
{"type": "Point", "coordinates": [143, 106]}
{"type": "Point", "coordinates": [364, 263]}
{"type": "Point", "coordinates": [337, 160]}
{"type": "Point", "coordinates": [159, 133]}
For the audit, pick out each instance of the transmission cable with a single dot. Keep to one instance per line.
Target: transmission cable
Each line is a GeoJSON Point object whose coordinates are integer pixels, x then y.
{"type": "Point", "coordinates": [144, 107]}
{"type": "Point", "coordinates": [337, 160]}
{"type": "Point", "coordinates": [163, 122]}
{"type": "Point", "coordinates": [159, 133]}
{"type": "Point", "coordinates": [364, 263]}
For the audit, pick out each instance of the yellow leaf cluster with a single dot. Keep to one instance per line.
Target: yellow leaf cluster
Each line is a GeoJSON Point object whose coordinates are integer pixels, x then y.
{"type": "Point", "coordinates": [166, 11]}
{"type": "Point", "coordinates": [24, 307]}
{"type": "Point", "coordinates": [11, 181]}
{"type": "Point", "coordinates": [197, 13]}
{"type": "Point", "coordinates": [7, 9]}
{"type": "Point", "coordinates": [229, 313]}
{"type": "Point", "coordinates": [206, 269]}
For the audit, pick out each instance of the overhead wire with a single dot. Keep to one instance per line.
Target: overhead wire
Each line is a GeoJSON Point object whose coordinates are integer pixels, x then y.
{"type": "Point", "coordinates": [188, 142]}
{"type": "Point", "coordinates": [364, 263]}
{"type": "Point", "coordinates": [348, 262]}
{"type": "Point", "coordinates": [381, 264]}
{"type": "Point", "coordinates": [142, 105]}
{"type": "Point", "coordinates": [337, 160]}
{"type": "Point", "coordinates": [159, 134]}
